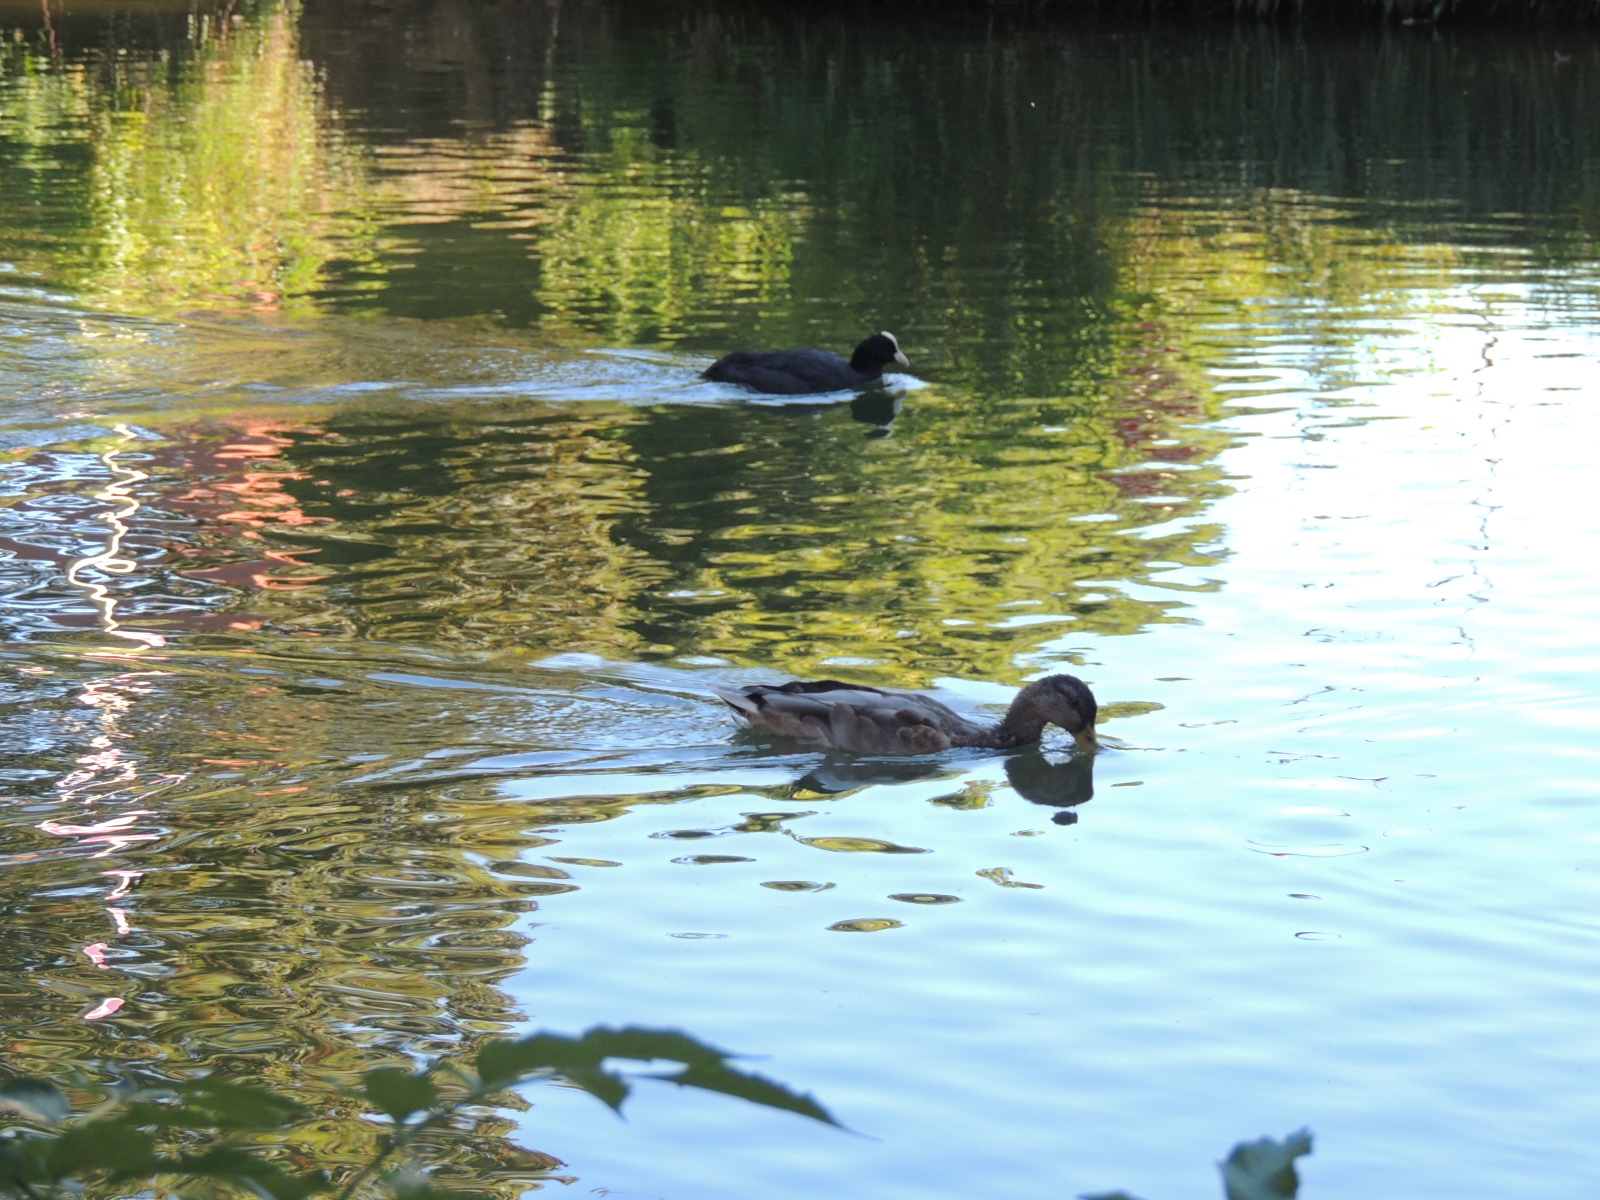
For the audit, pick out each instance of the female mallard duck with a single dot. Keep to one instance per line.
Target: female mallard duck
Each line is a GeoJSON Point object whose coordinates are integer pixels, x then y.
{"type": "Point", "coordinates": [868, 720]}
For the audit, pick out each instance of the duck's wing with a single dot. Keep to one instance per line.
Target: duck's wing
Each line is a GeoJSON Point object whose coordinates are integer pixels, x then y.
{"type": "Point", "coordinates": [848, 716]}
{"type": "Point", "coordinates": [784, 372]}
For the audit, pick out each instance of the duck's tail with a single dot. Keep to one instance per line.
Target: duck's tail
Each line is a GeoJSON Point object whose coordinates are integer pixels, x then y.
{"type": "Point", "coordinates": [738, 701]}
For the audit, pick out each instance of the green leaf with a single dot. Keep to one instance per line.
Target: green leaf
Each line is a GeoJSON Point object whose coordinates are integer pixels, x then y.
{"type": "Point", "coordinates": [101, 1145]}
{"type": "Point", "coordinates": [22, 1161]}
{"type": "Point", "coordinates": [212, 1104]}
{"type": "Point", "coordinates": [410, 1185]}
{"type": "Point", "coordinates": [754, 1088]}
{"type": "Point", "coordinates": [1264, 1170]}
{"type": "Point", "coordinates": [501, 1063]}
{"type": "Point", "coordinates": [399, 1093]}
{"type": "Point", "coordinates": [265, 1179]}
{"type": "Point", "coordinates": [34, 1100]}
{"type": "Point", "coordinates": [647, 1044]}
{"type": "Point", "coordinates": [224, 1105]}
{"type": "Point", "coordinates": [579, 1059]}
{"type": "Point", "coordinates": [610, 1089]}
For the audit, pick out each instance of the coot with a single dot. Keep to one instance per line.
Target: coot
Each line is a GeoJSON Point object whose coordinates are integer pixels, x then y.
{"type": "Point", "coordinates": [796, 372]}
{"type": "Point", "coordinates": [869, 720]}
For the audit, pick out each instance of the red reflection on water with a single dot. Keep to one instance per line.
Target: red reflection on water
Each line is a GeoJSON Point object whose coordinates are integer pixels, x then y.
{"type": "Point", "coordinates": [104, 1009]}
{"type": "Point", "coordinates": [231, 489]}
{"type": "Point", "coordinates": [1159, 406]}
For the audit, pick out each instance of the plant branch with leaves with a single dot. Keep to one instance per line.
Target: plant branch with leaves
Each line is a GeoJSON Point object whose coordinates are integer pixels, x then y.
{"type": "Point", "coordinates": [188, 1138]}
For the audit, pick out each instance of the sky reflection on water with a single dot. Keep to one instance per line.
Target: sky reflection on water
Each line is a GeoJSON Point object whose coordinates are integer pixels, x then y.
{"type": "Point", "coordinates": [357, 694]}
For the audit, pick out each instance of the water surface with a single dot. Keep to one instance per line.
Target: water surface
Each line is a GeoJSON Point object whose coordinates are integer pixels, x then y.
{"type": "Point", "coordinates": [369, 546]}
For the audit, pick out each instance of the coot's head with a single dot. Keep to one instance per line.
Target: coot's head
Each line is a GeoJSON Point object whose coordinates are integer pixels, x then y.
{"type": "Point", "coordinates": [877, 352]}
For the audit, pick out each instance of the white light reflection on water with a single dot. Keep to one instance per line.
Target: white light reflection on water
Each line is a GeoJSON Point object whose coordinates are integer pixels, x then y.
{"type": "Point", "coordinates": [109, 560]}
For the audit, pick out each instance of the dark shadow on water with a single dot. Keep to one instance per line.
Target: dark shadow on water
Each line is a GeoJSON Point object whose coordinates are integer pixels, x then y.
{"type": "Point", "coordinates": [1063, 785]}
{"type": "Point", "coordinates": [877, 408]}
{"type": "Point", "coordinates": [841, 773]}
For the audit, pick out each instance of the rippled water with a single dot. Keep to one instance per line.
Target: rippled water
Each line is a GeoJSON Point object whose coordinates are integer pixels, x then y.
{"type": "Point", "coordinates": [368, 547]}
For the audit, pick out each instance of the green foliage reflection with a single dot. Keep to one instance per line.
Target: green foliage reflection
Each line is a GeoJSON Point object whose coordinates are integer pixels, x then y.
{"type": "Point", "coordinates": [958, 546]}
{"type": "Point", "coordinates": [212, 178]}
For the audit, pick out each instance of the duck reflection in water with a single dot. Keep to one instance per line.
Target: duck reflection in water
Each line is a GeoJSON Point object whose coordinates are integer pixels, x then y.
{"type": "Point", "coordinates": [1063, 785]}
{"type": "Point", "coordinates": [840, 773]}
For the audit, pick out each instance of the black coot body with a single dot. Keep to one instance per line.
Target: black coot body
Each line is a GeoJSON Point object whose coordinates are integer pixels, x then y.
{"type": "Point", "coordinates": [797, 372]}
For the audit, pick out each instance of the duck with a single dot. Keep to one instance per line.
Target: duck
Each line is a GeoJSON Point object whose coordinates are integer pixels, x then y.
{"type": "Point", "coordinates": [868, 720]}
{"type": "Point", "coordinates": [798, 372]}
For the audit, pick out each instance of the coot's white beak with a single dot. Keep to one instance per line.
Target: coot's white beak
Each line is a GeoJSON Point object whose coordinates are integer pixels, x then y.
{"type": "Point", "coordinates": [899, 354]}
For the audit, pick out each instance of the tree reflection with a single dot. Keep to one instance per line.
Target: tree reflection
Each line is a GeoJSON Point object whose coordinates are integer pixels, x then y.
{"type": "Point", "coordinates": [611, 173]}
{"type": "Point", "coordinates": [213, 178]}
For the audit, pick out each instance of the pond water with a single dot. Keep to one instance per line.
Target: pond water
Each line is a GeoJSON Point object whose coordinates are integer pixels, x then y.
{"type": "Point", "coordinates": [369, 545]}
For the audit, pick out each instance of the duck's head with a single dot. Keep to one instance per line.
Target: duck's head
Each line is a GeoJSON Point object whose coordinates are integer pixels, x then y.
{"type": "Point", "coordinates": [877, 352]}
{"type": "Point", "coordinates": [1063, 700]}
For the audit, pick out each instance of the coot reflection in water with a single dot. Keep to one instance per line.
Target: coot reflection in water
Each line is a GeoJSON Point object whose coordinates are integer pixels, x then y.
{"type": "Point", "coordinates": [878, 408]}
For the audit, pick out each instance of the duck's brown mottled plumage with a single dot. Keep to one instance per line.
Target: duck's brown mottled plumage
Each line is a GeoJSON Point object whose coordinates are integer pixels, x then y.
{"type": "Point", "coordinates": [869, 720]}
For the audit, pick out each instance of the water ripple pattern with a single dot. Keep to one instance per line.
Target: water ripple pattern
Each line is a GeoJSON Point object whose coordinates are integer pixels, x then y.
{"type": "Point", "coordinates": [369, 550]}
